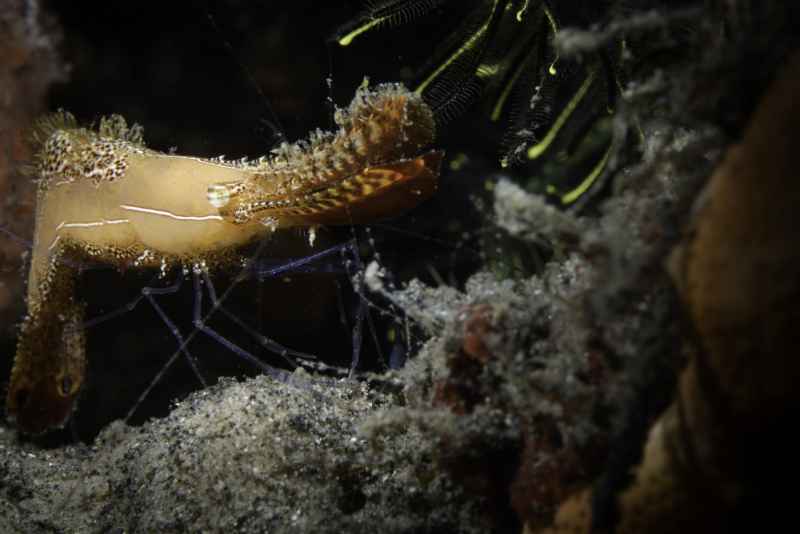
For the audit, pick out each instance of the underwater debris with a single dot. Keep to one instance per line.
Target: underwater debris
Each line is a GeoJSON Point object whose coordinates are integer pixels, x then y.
{"type": "Point", "coordinates": [528, 216]}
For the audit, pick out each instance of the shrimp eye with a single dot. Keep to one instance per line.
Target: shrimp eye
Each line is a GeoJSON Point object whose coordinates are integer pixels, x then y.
{"type": "Point", "coordinates": [65, 386]}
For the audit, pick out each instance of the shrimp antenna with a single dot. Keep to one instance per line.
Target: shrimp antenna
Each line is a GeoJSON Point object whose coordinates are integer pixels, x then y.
{"type": "Point", "coordinates": [278, 132]}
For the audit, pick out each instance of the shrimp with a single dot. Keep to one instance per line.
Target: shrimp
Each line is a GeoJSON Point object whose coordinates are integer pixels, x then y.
{"type": "Point", "coordinates": [103, 196]}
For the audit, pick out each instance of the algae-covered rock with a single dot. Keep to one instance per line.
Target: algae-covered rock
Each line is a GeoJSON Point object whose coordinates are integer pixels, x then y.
{"type": "Point", "coordinates": [252, 456]}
